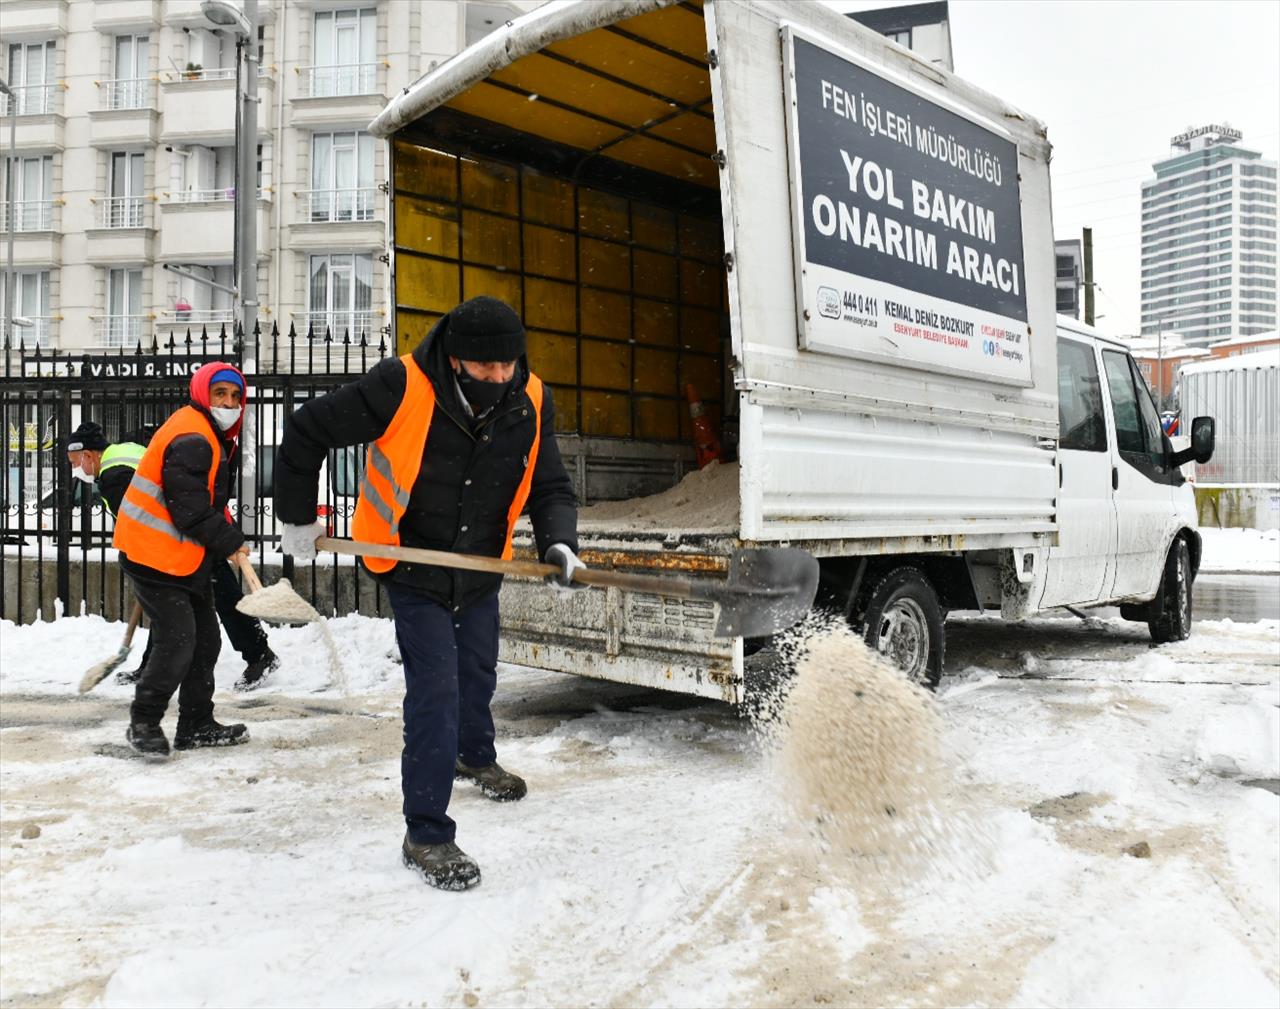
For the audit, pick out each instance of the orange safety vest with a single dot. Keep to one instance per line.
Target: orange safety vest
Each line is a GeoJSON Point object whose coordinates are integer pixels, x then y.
{"type": "Point", "coordinates": [145, 532]}
{"type": "Point", "coordinates": [394, 460]}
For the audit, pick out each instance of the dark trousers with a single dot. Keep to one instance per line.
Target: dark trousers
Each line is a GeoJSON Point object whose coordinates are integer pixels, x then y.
{"type": "Point", "coordinates": [450, 671]}
{"type": "Point", "coordinates": [246, 634]}
{"type": "Point", "coordinates": [185, 642]}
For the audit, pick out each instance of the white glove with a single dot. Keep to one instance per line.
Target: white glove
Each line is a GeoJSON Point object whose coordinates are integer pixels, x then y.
{"type": "Point", "coordinates": [560, 554]}
{"type": "Point", "coordinates": [300, 541]}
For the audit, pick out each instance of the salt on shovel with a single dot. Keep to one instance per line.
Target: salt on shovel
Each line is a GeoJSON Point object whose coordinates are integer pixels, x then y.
{"type": "Point", "coordinates": [106, 667]}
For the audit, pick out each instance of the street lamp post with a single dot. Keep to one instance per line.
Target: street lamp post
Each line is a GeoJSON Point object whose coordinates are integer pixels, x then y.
{"type": "Point", "coordinates": [10, 175]}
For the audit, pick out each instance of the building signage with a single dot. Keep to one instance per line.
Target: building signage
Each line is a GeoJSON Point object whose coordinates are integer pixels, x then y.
{"type": "Point", "coordinates": [907, 223]}
{"type": "Point", "coordinates": [145, 365]}
{"type": "Point", "coordinates": [1223, 132]}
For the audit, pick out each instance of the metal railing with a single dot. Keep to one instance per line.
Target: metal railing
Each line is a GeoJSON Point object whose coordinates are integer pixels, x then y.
{"type": "Point", "coordinates": [31, 99]}
{"type": "Point", "coordinates": [120, 330]}
{"type": "Point", "coordinates": [123, 212]}
{"type": "Point", "coordinates": [28, 215]}
{"type": "Point", "coordinates": [337, 80]}
{"type": "Point", "coordinates": [129, 93]}
{"type": "Point", "coordinates": [38, 334]}
{"type": "Point", "coordinates": [338, 204]}
{"type": "Point", "coordinates": [205, 74]}
{"type": "Point", "coordinates": [338, 325]}
{"type": "Point", "coordinates": [226, 195]}
{"type": "Point", "coordinates": [196, 317]}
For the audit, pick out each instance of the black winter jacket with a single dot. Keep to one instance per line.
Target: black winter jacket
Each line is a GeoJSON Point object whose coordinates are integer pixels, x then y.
{"type": "Point", "coordinates": [470, 470]}
{"type": "Point", "coordinates": [185, 480]}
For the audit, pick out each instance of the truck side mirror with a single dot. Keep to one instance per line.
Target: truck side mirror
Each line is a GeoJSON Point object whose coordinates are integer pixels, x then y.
{"type": "Point", "coordinates": [1203, 434]}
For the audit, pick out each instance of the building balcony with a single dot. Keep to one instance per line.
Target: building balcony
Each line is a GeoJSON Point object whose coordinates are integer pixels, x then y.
{"type": "Point", "coordinates": [211, 320]}
{"type": "Point", "coordinates": [37, 242]}
{"type": "Point", "coordinates": [345, 218]}
{"type": "Point", "coordinates": [124, 232]}
{"type": "Point", "coordinates": [40, 121]}
{"type": "Point", "coordinates": [34, 19]}
{"type": "Point", "coordinates": [114, 331]}
{"type": "Point", "coordinates": [200, 107]}
{"type": "Point", "coordinates": [198, 226]}
{"type": "Point", "coordinates": [40, 333]}
{"type": "Point", "coordinates": [339, 325]}
{"type": "Point", "coordinates": [349, 94]}
{"type": "Point", "coordinates": [28, 216]}
{"type": "Point", "coordinates": [127, 114]}
{"type": "Point", "coordinates": [120, 14]}
{"type": "Point", "coordinates": [33, 100]}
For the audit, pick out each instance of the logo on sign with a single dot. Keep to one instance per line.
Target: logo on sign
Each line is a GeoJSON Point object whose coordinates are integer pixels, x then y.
{"type": "Point", "coordinates": [829, 302]}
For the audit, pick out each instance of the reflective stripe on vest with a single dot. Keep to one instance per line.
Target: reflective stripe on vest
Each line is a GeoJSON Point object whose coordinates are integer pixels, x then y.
{"type": "Point", "coordinates": [125, 453]}
{"type": "Point", "coordinates": [145, 532]}
{"type": "Point", "coordinates": [393, 462]}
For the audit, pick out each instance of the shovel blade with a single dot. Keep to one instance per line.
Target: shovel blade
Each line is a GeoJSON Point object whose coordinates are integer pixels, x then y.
{"type": "Point", "coordinates": [767, 591]}
{"type": "Point", "coordinates": [103, 669]}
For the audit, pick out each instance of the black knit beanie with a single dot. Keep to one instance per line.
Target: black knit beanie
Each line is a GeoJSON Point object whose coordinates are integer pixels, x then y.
{"type": "Point", "coordinates": [87, 436]}
{"type": "Point", "coordinates": [484, 329]}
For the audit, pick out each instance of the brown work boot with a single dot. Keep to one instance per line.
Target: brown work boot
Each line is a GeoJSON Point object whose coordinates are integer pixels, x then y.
{"type": "Point", "coordinates": [444, 866]}
{"type": "Point", "coordinates": [494, 782]}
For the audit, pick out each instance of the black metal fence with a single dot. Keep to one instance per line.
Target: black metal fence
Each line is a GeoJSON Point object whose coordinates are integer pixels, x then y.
{"type": "Point", "coordinates": [54, 529]}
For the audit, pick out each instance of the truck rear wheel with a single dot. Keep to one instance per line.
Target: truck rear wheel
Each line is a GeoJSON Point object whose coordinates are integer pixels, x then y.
{"type": "Point", "coordinates": [1169, 618]}
{"type": "Point", "coordinates": [903, 622]}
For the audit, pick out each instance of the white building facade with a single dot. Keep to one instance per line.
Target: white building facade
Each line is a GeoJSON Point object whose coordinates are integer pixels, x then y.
{"type": "Point", "coordinates": [125, 137]}
{"type": "Point", "coordinates": [1209, 239]}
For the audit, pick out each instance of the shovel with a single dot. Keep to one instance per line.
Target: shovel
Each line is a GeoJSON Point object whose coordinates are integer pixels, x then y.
{"type": "Point", "coordinates": [767, 590]}
{"type": "Point", "coordinates": [106, 667]}
{"type": "Point", "coordinates": [278, 603]}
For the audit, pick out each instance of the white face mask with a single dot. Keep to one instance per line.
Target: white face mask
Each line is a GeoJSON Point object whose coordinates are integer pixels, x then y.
{"type": "Point", "coordinates": [225, 416]}
{"type": "Point", "coordinates": [79, 473]}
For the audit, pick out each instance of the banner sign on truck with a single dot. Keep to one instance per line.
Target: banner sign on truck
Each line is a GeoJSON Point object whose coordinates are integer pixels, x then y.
{"type": "Point", "coordinates": [908, 224]}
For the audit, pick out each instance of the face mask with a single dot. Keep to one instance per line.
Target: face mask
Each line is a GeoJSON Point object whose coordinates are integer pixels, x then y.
{"type": "Point", "coordinates": [225, 416]}
{"type": "Point", "coordinates": [483, 396]}
{"type": "Point", "coordinates": [79, 473]}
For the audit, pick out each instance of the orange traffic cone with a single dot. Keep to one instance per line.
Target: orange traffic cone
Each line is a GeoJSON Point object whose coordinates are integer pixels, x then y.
{"type": "Point", "coordinates": [706, 445]}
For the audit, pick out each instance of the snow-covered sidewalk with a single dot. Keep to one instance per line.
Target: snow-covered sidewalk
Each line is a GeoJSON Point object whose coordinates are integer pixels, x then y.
{"type": "Point", "coordinates": [651, 863]}
{"type": "Point", "coordinates": [1240, 551]}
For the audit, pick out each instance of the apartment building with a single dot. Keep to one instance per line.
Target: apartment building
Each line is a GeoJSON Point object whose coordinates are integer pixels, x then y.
{"type": "Point", "coordinates": [1209, 239]}
{"type": "Point", "coordinates": [125, 137]}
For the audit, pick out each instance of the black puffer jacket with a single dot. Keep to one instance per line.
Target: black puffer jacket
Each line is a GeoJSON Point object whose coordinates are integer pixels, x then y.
{"type": "Point", "coordinates": [185, 479]}
{"type": "Point", "coordinates": [469, 474]}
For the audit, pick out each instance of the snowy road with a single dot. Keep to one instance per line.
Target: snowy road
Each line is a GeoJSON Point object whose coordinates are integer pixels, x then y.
{"type": "Point", "coordinates": [651, 862]}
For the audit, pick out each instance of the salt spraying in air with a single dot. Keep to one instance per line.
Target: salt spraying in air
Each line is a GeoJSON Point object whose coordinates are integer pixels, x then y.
{"type": "Point", "coordinates": [281, 604]}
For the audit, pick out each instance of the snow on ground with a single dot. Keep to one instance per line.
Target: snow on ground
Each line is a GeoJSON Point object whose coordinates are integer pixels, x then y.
{"type": "Point", "coordinates": [651, 863]}
{"type": "Point", "coordinates": [1256, 551]}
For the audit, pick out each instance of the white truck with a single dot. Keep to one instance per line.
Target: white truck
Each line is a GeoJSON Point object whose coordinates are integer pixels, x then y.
{"type": "Point", "coordinates": [848, 253]}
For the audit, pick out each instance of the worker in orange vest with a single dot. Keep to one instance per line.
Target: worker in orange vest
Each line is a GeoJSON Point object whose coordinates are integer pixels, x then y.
{"type": "Point", "coordinates": [461, 438]}
{"type": "Point", "coordinates": [171, 528]}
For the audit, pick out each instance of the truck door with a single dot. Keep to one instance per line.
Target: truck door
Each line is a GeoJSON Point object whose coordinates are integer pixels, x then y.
{"type": "Point", "coordinates": [1081, 564]}
{"type": "Point", "coordinates": [1142, 482]}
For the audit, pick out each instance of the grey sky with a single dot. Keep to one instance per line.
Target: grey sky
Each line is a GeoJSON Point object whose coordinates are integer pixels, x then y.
{"type": "Point", "coordinates": [1114, 81]}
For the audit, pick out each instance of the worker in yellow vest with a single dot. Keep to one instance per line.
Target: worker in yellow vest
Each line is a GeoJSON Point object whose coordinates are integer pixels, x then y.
{"type": "Point", "coordinates": [461, 438]}
{"type": "Point", "coordinates": [171, 528]}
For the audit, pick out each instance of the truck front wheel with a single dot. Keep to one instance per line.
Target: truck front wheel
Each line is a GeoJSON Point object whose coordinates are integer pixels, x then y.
{"type": "Point", "coordinates": [903, 622]}
{"type": "Point", "coordinates": [1169, 618]}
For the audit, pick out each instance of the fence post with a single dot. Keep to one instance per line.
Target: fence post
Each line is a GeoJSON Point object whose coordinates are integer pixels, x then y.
{"type": "Point", "coordinates": [63, 483]}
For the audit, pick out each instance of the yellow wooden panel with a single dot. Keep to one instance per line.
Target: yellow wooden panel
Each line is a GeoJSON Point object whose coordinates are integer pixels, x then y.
{"type": "Point", "coordinates": [424, 226]}
{"type": "Point", "coordinates": [566, 401]}
{"type": "Point", "coordinates": [607, 414]}
{"type": "Point", "coordinates": [427, 284]}
{"type": "Point", "coordinates": [547, 200]}
{"type": "Point", "coordinates": [689, 129]}
{"type": "Point", "coordinates": [490, 186]}
{"type": "Point", "coordinates": [503, 286]}
{"type": "Point", "coordinates": [656, 371]}
{"type": "Point", "coordinates": [494, 241]}
{"type": "Point", "coordinates": [426, 172]}
{"type": "Point", "coordinates": [548, 251]}
{"type": "Point", "coordinates": [633, 61]}
{"type": "Point", "coordinates": [604, 264]}
{"type": "Point", "coordinates": [538, 118]}
{"type": "Point", "coordinates": [580, 89]}
{"type": "Point", "coordinates": [701, 238]}
{"type": "Point", "coordinates": [655, 323]}
{"type": "Point", "coordinates": [673, 28]}
{"type": "Point", "coordinates": [411, 327]}
{"type": "Point", "coordinates": [605, 313]}
{"type": "Point", "coordinates": [657, 419]}
{"type": "Point", "coordinates": [606, 365]}
{"type": "Point", "coordinates": [549, 304]}
{"type": "Point", "coordinates": [703, 373]}
{"type": "Point", "coordinates": [655, 274]}
{"type": "Point", "coordinates": [654, 227]}
{"type": "Point", "coordinates": [699, 283]}
{"type": "Point", "coordinates": [700, 329]}
{"type": "Point", "coordinates": [554, 357]}
{"type": "Point", "coordinates": [645, 152]}
{"type": "Point", "coordinates": [603, 215]}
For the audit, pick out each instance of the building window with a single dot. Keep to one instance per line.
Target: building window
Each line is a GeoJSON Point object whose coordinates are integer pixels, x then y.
{"type": "Point", "coordinates": [902, 37]}
{"type": "Point", "coordinates": [124, 205]}
{"type": "Point", "coordinates": [30, 300]}
{"type": "Point", "coordinates": [342, 186]}
{"type": "Point", "coordinates": [31, 76]}
{"type": "Point", "coordinates": [344, 52]}
{"type": "Point", "coordinates": [341, 295]}
{"type": "Point", "coordinates": [131, 88]}
{"type": "Point", "coordinates": [32, 194]}
{"type": "Point", "coordinates": [122, 325]}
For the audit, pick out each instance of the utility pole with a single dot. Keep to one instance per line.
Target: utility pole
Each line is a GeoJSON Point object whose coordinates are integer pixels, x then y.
{"type": "Point", "coordinates": [1088, 276]}
{"type": "Point", "coordinates": [10, 180]}
{"type": "Point", "coordinates": [248, 217]}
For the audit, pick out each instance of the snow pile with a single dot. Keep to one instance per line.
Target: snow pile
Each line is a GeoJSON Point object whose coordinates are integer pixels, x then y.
{"type": "Point", "coordinates": [1241, 740]}
{"type": "Point", "coordinates": [705, 500]}
{"type": "Point", "coordinates": [1240, 550]}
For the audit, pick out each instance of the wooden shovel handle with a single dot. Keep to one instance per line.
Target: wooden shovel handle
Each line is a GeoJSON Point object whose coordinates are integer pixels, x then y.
{"type": "Point", "coordinates": [250, 576]}
{"type": "Point", "coordinates": [135, 616]}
